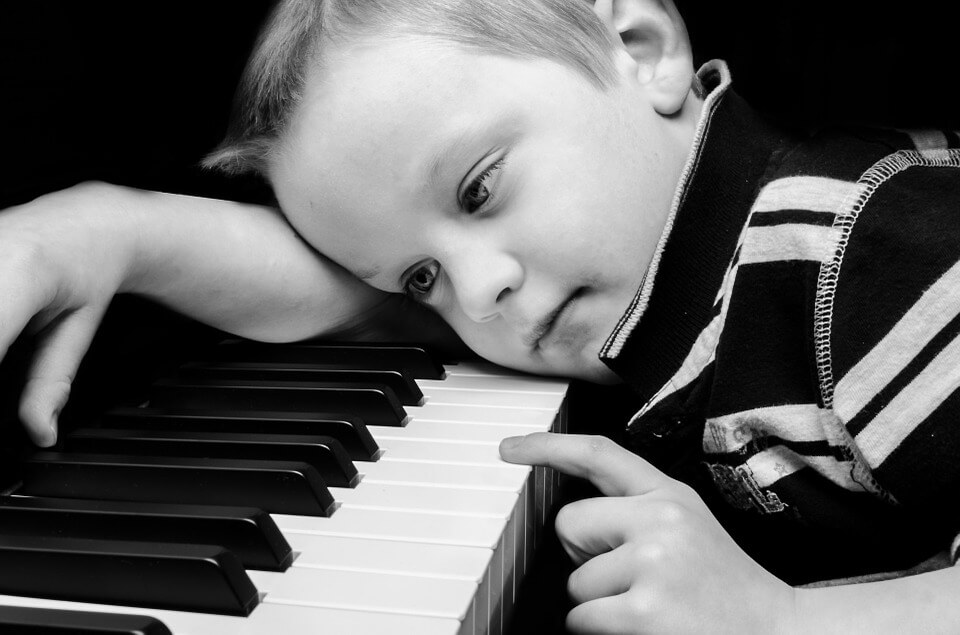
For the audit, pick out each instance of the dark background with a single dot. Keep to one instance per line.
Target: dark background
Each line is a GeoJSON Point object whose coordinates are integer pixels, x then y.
{"type": "Point", "coordinates": [131, 92]}
{"type": "Point", "coordinates": [136, 92]}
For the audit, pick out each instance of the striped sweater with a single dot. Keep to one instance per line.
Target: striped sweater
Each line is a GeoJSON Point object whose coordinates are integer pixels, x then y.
{"type": "Point", "coordinates": [796, 341]}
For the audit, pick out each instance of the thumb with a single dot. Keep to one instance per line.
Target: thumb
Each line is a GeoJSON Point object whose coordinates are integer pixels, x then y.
{"type": "Point", "coordinates": [612, 469]}
{"type": "Point", "coordinates": [52, 372]}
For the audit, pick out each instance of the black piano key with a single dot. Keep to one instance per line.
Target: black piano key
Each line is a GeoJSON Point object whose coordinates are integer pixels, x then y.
{"type": "Point", "coordinates": [324, 454]}
{"type": "Point", "coordinates": [203, 578]}
{"type": "Point", "coordinates": [412, 360]}
{"type": "Point", "coordinates": [374, 405]}
{"type": "Point", "coordinates": [403, 386]}
{"type": "Point", "coordinates": [351, 432]}
{"type": "Point", "coordinates": [249, 533]}
{"type": "Point", "coordinates": [24, 620]}
{"type": "Point", "coordinates": [284, 487]}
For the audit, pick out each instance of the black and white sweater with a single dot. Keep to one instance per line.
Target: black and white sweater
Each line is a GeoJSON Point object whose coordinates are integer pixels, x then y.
{"type": "Point", "coordinates": [796, 340]}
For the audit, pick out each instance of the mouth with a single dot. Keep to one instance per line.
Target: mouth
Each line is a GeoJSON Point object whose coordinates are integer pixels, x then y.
{"type": "Point", "coordinates": [543, 328]}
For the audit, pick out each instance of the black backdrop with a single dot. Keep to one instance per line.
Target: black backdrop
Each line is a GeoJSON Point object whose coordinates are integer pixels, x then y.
{"type": "Point", "coordinates": [128, 92]}
{"type": "Point", "coordinates": [136, 92]}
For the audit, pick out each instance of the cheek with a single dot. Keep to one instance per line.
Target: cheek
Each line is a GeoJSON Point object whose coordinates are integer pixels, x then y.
{"type": "Point", "coordinates": [580, 201]}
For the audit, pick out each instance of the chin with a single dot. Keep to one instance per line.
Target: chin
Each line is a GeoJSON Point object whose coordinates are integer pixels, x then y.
{"type": "Point", "coordinates": [571, 366]}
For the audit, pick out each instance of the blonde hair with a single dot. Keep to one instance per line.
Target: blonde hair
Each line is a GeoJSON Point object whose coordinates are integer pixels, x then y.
{"type": "Point", "coordinates": [565, 31]}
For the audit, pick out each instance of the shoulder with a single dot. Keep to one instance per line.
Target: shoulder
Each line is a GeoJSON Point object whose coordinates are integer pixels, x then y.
{"type": "Point", "coordinates": [807, 187]}
{"type": "Point", "coordinates": [816, 170]}
{"type": "Point", "coordinates": [897, 242]}
{"type": "Point", "coordinates": [887, 316]}
{"type": "Point", "coordinates": [874, 215]}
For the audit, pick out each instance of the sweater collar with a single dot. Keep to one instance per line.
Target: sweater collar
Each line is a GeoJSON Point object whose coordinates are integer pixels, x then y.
{"type": "Point", "coordinates": [732, 148]}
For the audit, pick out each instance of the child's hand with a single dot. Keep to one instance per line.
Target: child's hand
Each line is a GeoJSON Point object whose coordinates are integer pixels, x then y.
{"type": "Point", "coordinates": [62, 258]}
{"type": "Point", "coordinates": [651, 556]}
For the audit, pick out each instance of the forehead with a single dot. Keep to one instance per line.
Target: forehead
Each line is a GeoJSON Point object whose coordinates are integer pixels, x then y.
{"type": "Point", "coordinates": [398, 91]}
{"type": "Point", "coordinates": [387, 125]}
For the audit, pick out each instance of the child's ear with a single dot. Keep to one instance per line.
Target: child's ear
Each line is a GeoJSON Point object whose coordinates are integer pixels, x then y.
{"type": "Point", "coordinates": [656, 48]}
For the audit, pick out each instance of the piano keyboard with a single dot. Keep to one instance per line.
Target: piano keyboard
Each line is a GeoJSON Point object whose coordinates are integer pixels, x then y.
{"type": "Point", "coordinates": [431, 533]}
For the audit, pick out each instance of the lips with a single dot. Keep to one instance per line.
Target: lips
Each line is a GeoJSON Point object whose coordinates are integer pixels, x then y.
{"type": "Point", "coordinates": [542, 328]}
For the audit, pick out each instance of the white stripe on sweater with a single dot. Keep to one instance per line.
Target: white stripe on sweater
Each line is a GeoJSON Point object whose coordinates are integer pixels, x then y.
{"type": "Point", "coordinates": [773, 464]}
{"type": "Point", "coordinates": [788, 242]}
{"type": "Point", "coordinates": [792, 422]}
{"type": "Point", "coordinates": [927, 139]}
{"type": "Point", "coordinates": [917, 401]}
{"type": "Point", "coordinates": [936, 307]}
{"type": "Point", "coordinates": [812, 193]}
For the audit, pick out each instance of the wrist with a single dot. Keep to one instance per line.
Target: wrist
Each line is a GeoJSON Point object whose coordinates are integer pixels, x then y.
{"type": "Point", "coordinates": [155, 232]}
{"type": "Point", "coordinates": [112, 223]}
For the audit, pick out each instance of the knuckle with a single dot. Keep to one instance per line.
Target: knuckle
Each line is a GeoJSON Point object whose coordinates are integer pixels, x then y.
{"type": "Point", "coordinates": [686, 493]}
{"type": "Point", "coordinates": [673, 513]}
{"type": "Point", "coordinates": [598, 445]}
{"type": "Point", "coordinates": [23, 260]}
{"type": "Point", "coordinates": [643, 603]}
{"type": "Point", "coordinates": [595, 453]}
{"type": "Point", "coordinates": [25, 254]}
{"type": "Point", "coordinates": [648, 555]}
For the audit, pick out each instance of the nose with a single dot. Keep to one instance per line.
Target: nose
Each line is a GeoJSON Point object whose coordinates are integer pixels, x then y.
{"type": "Point", "coordinates": [483, 279]}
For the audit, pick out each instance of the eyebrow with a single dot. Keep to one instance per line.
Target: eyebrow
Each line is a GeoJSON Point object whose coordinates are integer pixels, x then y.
{"type": "Point", "coordinates": [456, 145]}
{"type": "Point", "coordinates": [464, 141]}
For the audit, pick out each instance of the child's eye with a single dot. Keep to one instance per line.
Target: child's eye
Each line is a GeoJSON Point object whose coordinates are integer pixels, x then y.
{"type": "Point", "coordinates": [479, 192]}
{"type": "Point", "coordinates": [420, 282]}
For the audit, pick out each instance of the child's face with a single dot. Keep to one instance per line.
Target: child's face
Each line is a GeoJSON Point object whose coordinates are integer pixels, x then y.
{"type": "Point", "coordinates": [522, 202]}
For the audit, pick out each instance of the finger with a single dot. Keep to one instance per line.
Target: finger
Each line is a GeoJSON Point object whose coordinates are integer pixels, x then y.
{"type": "Point", "coordinates": [594, 526]}
{"type": "Point", "coordinates": [606, 615]}
{"type": "Point", "coordinates": [605, 575]}
{"type": "Point", "coordinates": [20, 304]}
{"type": "Point", "coordinates": [614, 470]}
{"type": "Point", "coordinates": [52, 372]}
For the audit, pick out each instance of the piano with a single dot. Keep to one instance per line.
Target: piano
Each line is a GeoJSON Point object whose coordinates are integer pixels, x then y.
{"type": "Point", "coordinates": [331, 488]}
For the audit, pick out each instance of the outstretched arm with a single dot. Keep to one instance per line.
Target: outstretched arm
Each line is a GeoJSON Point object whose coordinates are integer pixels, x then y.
{"type": "Point", "coordinates": [237, 267]}
{"type": "Point", "coordinates": [651, 558]}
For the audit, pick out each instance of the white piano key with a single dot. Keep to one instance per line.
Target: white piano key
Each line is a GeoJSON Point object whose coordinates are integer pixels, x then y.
{"type": "Point", "coordinates": [480, 397]}
{"type": "Point", "coordinates": [439, 451]}
{"type": "Point", "coordinates": [501, 378]}
{"type": "Point", "coordinates": [389, 556]}
{"type": "Point", "coordinates": [505, 477]}
{"type": "Point", "coordinates": [444, 529]}
{"type": "Point", "coordinates": [489, 369]}
{"type": "Point", "coordinates": [447, 431]}
{"type": "Point", "coordinates": [491, 415]}
{"type": "Point", "coordinates": [365, 591]}
{"type": "Point", "coordinates": [420, 498]}
{"type": "Point", "coordinates": [460, 380]}
{"type": "Point", "coordinates": [267, 619]}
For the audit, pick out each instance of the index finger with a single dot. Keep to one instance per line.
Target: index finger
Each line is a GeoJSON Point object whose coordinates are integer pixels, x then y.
{"type": "Point", "coordinates": [612, 469]}
{"type": "Point", "coordinates": [22, 301]}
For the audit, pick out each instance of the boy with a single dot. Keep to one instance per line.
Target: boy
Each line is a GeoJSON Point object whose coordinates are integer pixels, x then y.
{"type": "Point", "coordinates": [560, 196]}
